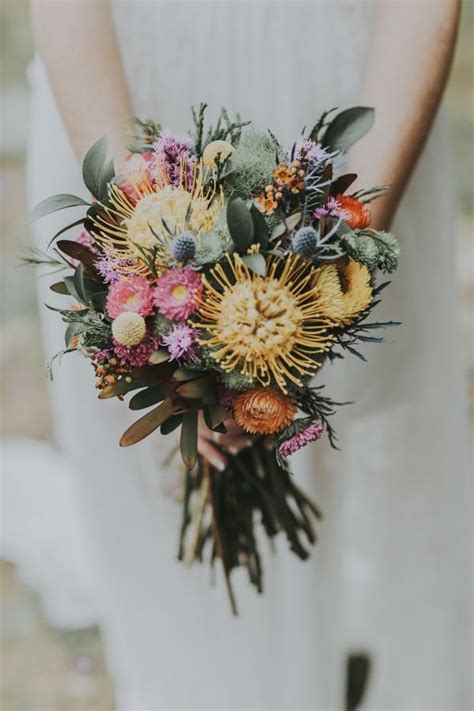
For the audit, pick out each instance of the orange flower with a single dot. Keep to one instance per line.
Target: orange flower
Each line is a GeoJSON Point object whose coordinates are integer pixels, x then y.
{"type": "Point", "coordinates": [359, 215]}
{"type": "Point", "coordinates": [267, 204]}
{"type": "Point", "coordinates": [263, 411]}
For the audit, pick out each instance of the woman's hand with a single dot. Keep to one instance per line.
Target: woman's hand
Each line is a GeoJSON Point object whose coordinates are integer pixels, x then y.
{"type": "Point", "coordinates": [212, 445]}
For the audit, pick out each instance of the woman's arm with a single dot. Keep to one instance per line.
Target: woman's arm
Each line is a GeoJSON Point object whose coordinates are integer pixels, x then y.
{"type": "Point", "coordinates": [407, 72]}
{"type": "Point", "coordinates": [77, 43]}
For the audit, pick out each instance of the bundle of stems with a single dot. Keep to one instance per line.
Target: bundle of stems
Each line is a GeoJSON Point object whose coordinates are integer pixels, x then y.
{"type": "Point", "coordinates": [223, 512]}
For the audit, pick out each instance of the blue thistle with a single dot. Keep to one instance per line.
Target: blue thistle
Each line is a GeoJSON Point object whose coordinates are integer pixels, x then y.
{"type": "Point", "coordinates": [183, 247]}
{"type": "Point", "coordinates": [305, 241]}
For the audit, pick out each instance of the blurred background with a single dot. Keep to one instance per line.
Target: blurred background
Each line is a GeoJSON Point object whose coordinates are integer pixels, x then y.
{"type": "Point", "coordinates": [43, 666]}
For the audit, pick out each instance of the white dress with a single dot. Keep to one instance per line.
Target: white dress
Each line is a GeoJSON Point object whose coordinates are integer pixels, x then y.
{"type": "Point", "coordinates": [390, 575]}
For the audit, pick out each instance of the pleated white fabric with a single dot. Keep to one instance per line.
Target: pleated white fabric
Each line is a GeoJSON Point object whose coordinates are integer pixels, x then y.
{"type": "Point", "coordinates": [391, 575]}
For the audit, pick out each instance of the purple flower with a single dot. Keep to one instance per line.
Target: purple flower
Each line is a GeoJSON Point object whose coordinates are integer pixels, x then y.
{"type": "Point", "coordinates": [310, 151]}
{"type": "Point", "coordinates": [173, 155]}
{"type": "Point", "coordinates": [331, 208]}
{"type": "Point", "coordinates": [180, 342]}
{"type": "Point", "coordinates": [227, 397]}
{"type": "Point", "coordinates": [300, 439]}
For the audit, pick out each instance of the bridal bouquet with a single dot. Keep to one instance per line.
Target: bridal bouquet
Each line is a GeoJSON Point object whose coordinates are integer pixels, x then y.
{"type": "Point", "coordinates": [213, 276]}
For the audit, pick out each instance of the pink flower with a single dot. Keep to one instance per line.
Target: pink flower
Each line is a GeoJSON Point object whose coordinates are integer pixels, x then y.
{"type": "Point", "coordinates": [331, 208]}
{"type": "Point", "coordinates": [86, 240]}
{"type": "Point", "coordinates": [137, 356]}
{"type": "Point", "coordinates": [178, 293]}
{"type": "Point", "coordinates": [310, 151]}
{"type": "Point", "coordinates": [180, 342]}
{"type": "Point", "coordinates": [133, 169]}
{"type": "Point", "coordinates": [131, 294]}
{"type": "Point", "coordinates": [301, 439]}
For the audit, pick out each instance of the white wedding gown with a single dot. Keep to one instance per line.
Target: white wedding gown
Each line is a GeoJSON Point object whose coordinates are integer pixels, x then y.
{"type": "Point", "coordinates": [391, 573]}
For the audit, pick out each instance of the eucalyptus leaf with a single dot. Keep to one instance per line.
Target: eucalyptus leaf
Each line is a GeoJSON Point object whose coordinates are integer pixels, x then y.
{"type": "Point", "coordinates": [240, 223]}
{"type": "Point", "coordinates": [348, 127]}
{"type": "Point", "coordinates": [72, 330]}
{"type": "Point", "coordinates": [106, 175]}
{"type": "Point", "coordinates": [71, 287]}
{"type": "Point", "coordinates": [261, 233]}
{"type": "Point", "coordinates": [55, 203]}
{"type": "Point", "coordinates": [93, 166]}
{"type": "Point", "coordinates": [256, 263]}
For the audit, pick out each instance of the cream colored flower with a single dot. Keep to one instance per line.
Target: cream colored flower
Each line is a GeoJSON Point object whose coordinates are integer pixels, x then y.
{"type": "Point", "coordinates": [216, 149]}
{"type": "Point", "coordinates": [129, 328]}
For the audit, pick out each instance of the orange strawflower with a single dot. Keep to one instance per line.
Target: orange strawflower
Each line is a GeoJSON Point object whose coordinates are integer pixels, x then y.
{"type": "Point", "coordinates": [359, 215]}
{"type": "Point", "coordinates": [263, 411]}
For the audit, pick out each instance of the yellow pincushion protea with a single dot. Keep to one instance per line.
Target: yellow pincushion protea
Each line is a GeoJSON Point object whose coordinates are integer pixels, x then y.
{"type": "Point", "coordinates": [263, 411]}
{"type": "Point", "coordinates": [343, 291]}
{"type": "Point", "coordinates": [264, 327]}
{"type": "Point", "coordinates": [220, 150]}
{"type": "Point", "coordinates": [128, 225]}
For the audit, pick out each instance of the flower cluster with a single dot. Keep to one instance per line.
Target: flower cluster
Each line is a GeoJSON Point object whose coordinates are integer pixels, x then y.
{"type": "Point", "coordinates": [215, 275]}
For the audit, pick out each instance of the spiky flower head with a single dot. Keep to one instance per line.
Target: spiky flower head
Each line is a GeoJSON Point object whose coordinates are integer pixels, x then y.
{"type": "Point", "coordinates": [359, 216]}
{"type": "Point", "coordinates": [263, 410]}
{"type": "Point", "coordinates": [183, 247]}
{"type": "Point", "coordinates": [343, 291]}
{"type": "Point", "coordinates": [181, 342]}
{"type": "Point", "coordinates": [178, 293]}
{"type": "Point", "coordinates": [129, 328]}
{"type": "Point", "coordinates": [131, 294]}
{"type": "Point", "coordinates": [150, 221]}
{"type": "Point", "coordinates": [267, 328]}
{"type": "Point", "coordinates": [173, 156]}
{"type": "Point", "coordinates": [216, 151]}
{"type": "Point", "coordinates": [305, 241]}
{"type": "Point", "coordinates": [375, 249]}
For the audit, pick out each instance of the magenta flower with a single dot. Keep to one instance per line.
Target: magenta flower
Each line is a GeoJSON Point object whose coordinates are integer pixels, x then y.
{"type": "Point", "coordinates": [180, 342]}
{"type": "Point", "coordinates": [332, 208]}
{"type": "Point", "coordinates": [131, 294]}
{"type": "Point", "coordinates": [178, 293]}
{"type": "Point", "coordinates": [86, 240]}
{"type": "Point", "coordinates": [137, 356]}
{"type": "Point", "coordinates": [312, 433]}
{"type": "Point", "coordinates": [172, 153]}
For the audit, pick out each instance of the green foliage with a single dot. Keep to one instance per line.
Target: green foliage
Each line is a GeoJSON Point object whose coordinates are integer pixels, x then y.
{"type": "Point", "coordinates": [96, 172]}
{"type": "Point", "coordinates": [348, 127]}
{"type": "Point", "coordinates": [210, 248]}
{"type": "Point", "coordinates": [235, 380]}
{"type": "Point", "coordinates": [144, 134]}
{"type": "Point", "coordinates": [161, 325]}
{"type": "Point", "coordinates": [252, 164]}
{"type": "Point", "coordinates": [375, 249]}
{"type": "Point", "coordinates": [240, 223]}
{"type": "Point", "coordinates": [53, 204]}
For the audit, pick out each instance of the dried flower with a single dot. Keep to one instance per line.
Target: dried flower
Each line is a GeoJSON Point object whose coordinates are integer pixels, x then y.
{"type": "Point", "coordinates": [178, 293]}
{"type": "Point", "coordinates": [358, 216]}
{"type": "Point", "coordinates": [263, 410]}
{"type": "Point", "coordinates": [129, 328]}
{"type": "Point", "coordinates": [183, 247]}
{"type": "Point", "coordinates": [265, 327]}
{"type": "Point", "coordinates": [343, 291]}
{"type": "Point", "coordinates": [131, 294]}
